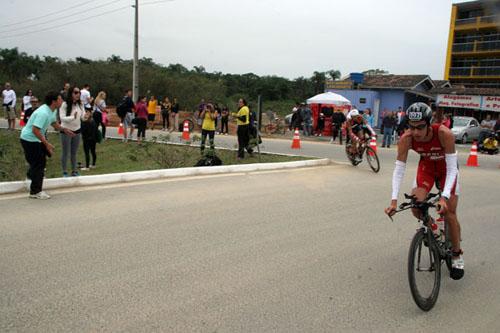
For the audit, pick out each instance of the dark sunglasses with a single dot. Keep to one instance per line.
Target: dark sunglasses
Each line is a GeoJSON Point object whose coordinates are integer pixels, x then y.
{"type": "Point", "coordinates": [418, 127]}
{"type": "Point", "coordinates": [76, 92]}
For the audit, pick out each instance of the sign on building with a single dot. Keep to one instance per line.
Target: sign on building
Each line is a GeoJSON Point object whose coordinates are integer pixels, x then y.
{"type": "Point", "coordinates": [459, 101]}
{"type": "Point", "coordinates": [491, 103]}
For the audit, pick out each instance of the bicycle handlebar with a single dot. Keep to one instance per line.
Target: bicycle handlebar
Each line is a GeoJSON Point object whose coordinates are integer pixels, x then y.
{"type": "Point", "coordinates": [430, 201]}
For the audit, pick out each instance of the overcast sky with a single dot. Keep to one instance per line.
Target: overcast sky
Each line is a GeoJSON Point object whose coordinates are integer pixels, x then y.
{"type": "Point", "coordinates": [289, 38]}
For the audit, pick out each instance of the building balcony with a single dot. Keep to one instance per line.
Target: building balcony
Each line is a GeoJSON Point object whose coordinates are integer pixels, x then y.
{"type": "Point", "coordinates": [476, 47]}
{"type": "Point", "coordinates": [476, 23]}
{"type": "Point", "coordinates": [475, 72]}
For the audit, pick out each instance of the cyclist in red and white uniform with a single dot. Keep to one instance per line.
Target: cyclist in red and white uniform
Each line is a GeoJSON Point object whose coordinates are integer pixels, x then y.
{"type": "Point", "coordinates": [356, 128]}
{"type": "Point", "coordinates": [438, 164]}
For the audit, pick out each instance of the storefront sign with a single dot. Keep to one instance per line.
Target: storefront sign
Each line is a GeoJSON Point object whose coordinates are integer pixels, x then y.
{"type": "Point", "coordinates": [491, 103]}
{"type": "Point", "coordinates": [459, 101]}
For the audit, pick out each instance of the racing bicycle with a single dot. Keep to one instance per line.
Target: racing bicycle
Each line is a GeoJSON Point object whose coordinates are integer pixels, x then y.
{"type": "Point", "coordinates": [363, 149]}
{"type": "Point", "coordinates": [428, 251]}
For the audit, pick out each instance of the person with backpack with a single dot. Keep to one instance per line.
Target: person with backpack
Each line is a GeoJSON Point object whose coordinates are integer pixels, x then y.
{"type": "Point", "coordinates": [125, 110]}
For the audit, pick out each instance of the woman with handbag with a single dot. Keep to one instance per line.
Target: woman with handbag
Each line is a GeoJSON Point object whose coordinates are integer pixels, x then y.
{"type": "Point", "coordinates": [100, 114]}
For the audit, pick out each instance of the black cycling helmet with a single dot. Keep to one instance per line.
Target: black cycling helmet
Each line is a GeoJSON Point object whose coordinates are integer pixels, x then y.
{"type": "Point", "coordinates": [419, 111]}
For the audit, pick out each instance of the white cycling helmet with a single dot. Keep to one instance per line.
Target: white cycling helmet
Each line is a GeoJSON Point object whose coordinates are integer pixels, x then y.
{"type": "Point", "coordinates": [354, 113]}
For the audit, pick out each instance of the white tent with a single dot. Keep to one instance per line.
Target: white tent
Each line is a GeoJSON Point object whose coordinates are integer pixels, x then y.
{"type": "Point", "coordinates": [329, 98]}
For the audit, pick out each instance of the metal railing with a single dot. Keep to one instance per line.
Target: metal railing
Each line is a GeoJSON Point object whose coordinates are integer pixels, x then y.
{"type": "Point", "coordinates": [477, 46]}
{"type": "Point", "coordinates": [475, 71]}
{"type": "Point", "coordinates": [477, 20]}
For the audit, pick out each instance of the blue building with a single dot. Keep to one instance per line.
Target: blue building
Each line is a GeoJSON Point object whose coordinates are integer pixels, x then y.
{"type": "Point", "coordinates": [385, 92]}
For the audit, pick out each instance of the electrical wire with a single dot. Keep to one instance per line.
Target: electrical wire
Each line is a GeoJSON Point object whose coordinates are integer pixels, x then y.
{"type": "Point", "coordinates": [67, 23]}
{"type": "Point", "coordinates": [79, 20]}
{"type": "Point", "coordinates": [45, 15]}
{"type": "Point", "coordinates": [56, 18]}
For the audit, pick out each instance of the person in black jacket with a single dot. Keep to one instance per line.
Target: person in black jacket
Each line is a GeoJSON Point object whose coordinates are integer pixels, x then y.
{"type": "Point", "coordinates": [90, 137]}
{"type": "Point", "coordinates": [338, 119]}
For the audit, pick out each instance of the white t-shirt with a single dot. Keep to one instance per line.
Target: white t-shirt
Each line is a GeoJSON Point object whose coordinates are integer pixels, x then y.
{"type": "Point", "coordinates": [71, 122]}
{"type": "Point", "coordinates": [85, 97]}
{"type": "Point", "coordinates": [26, 102]}
{"type": "Point", "coordinates": [488, 123]}
{"type": "Point", "coordinates": [9, 97]}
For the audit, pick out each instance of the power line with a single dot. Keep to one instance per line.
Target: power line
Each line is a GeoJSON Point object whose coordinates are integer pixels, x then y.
{"type": "Point", "coordinates": [52, 19]}
{"type": "Point", "coordinates": [79, 20]}
{"type": "Point", "coordinates": [67, 23]}
{"type": "Point", "coordinates": [45, 15]}
{"type": "Point", "coordinates": [155, 2]}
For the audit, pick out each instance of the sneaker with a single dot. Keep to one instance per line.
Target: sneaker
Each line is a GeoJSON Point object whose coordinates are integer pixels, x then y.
{"type": "Point", "coordinates": [92, 166]}
{"type": "Point", "coordinates": [40, 195]}
{"type": "Point", "coordinates": [84, 169]}
{"type": "Point", "coordinates": [457, 268]}
{"type": "Point", "coordinates": [75, 174]}
{"type": "Point", "coordinates": [65, 174]}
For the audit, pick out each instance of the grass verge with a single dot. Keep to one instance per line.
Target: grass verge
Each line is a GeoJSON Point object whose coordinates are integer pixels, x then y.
{"type": "Point", "coordinates": [114, 156]}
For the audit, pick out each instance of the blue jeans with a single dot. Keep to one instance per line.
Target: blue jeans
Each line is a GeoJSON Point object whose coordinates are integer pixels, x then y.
{"type": "Point", "coordinates": [387, 136]}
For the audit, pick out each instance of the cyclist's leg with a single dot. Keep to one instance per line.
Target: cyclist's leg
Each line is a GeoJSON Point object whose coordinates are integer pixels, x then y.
{"type": "Point", "coordinates": [422, 186]}
{"type": "Point", "coordinates": [361, 137]}
{"type": "Point", "coordinates": [453, 224]}
{"type": "Point", "coordinates": [420, 193]}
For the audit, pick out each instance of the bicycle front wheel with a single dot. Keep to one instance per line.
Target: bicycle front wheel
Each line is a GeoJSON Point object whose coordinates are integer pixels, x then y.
{"type": "Point", "coordinates": [372, 158]}
{"type": "Point", "coordinates": [424, 270]}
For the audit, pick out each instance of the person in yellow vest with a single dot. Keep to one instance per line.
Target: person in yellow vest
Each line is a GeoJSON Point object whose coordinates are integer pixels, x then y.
{"type": "Point", "coordinates": [243, 121]}
{"type": "Point", "coordinates": [208, 115]}
{"type": "Point", "coordinates": [152, 111]}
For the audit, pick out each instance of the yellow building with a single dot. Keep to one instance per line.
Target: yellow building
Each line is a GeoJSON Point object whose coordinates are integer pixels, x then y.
{"type": "Point", "coordinates": [473, 56]}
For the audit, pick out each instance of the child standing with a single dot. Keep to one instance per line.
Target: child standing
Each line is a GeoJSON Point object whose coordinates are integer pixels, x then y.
{"type": "Point", "coordinates": [90, 137]}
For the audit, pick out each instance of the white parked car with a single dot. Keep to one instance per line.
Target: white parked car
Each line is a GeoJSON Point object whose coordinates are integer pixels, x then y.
{"type": "Point", "coordinates": [465, 129]}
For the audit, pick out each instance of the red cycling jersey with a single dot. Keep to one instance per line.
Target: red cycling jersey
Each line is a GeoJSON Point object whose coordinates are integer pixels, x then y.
{"type": "Point", "coordinates": [432, 165]}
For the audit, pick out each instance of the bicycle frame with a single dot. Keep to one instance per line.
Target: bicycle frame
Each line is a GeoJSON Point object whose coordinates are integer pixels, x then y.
{"type": "Point", "coordinates": [425, 218]}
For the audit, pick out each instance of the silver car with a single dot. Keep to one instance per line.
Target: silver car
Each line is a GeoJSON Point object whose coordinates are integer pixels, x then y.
{"type": "Point", "coordinates": [465, 129]}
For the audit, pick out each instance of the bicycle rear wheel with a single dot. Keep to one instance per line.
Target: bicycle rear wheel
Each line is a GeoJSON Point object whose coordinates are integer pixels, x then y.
{"type": "Point", "coordinates": [372, 158]}
{"type": "Point", "coordinates": [424, 270]}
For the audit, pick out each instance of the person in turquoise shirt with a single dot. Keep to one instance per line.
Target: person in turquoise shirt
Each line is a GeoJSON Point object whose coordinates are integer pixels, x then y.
{"type": "Point", "coordinates": [35, 145]}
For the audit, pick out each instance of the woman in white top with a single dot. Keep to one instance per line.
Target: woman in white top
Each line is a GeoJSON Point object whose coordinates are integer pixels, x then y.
{"type": "Point", "coordinates": [71, 113]}
{"type": "Point", "coordinates": [100, 114]}
{"type": "Point", "coordinates": [27, 106]}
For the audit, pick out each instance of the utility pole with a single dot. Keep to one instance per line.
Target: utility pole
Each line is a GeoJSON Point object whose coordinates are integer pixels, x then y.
{"type": "Point", "coordinates": [135, 74]}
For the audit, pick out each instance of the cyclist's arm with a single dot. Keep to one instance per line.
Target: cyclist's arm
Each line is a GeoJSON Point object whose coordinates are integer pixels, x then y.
{"type": "Point", "coordinates": [447, 140]}
{"type": "Point", "coordinates": [400, 167]}
{"type": "Point", "coordinates": [348, 127]}
{"type": "Point", "coordinates": [372, 132]}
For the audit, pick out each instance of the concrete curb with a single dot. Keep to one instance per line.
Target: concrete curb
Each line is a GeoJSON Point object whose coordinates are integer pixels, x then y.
{"type": "Point", "coordinates": [52, 183]}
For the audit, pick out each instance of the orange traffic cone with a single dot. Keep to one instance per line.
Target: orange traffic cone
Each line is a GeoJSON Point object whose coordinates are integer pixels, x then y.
{"type": "Point", "coordinates": [120, 129]}
{"type": "Point", "coordinates": [185, 131]}
{"type": "Point", "coordinates": [472, 160]}
{"type": "Point", "coordinates": [373, 144]}
{"type": "Point", "coordinates": [296, 139]}
{"type": "Point", "coordinates": [21, 121]}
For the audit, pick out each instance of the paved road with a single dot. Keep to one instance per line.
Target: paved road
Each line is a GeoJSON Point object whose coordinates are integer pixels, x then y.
{"type": "Point", "coordinates": [305, 250]}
